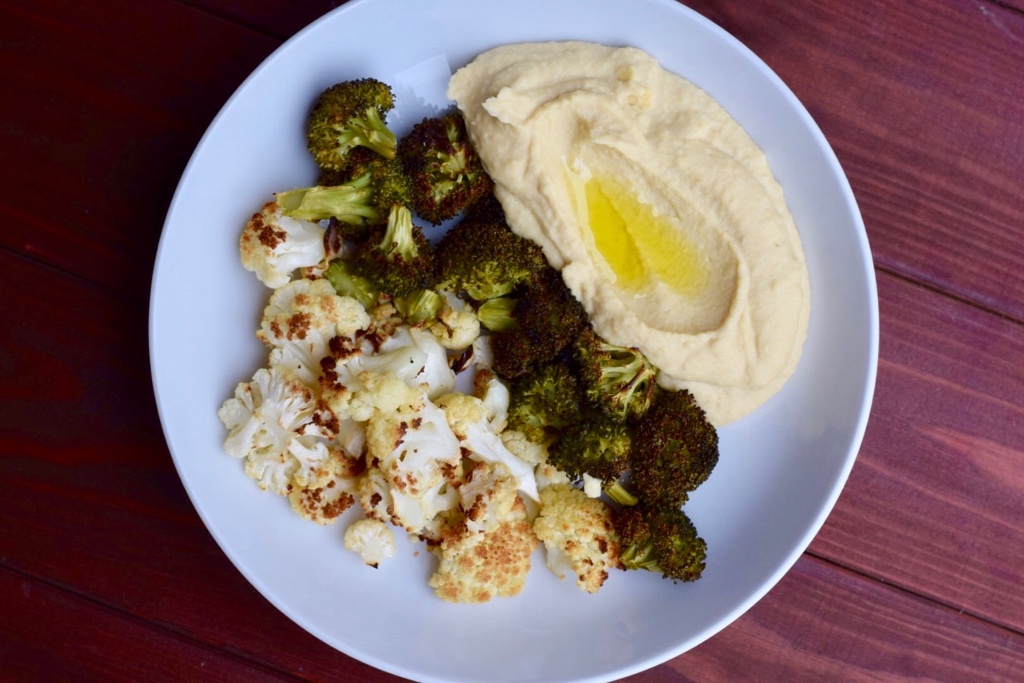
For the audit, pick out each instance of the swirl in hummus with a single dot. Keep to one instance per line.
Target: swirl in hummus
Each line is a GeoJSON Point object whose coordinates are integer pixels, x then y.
{"type": "Point", "coordinates": [660, 211]}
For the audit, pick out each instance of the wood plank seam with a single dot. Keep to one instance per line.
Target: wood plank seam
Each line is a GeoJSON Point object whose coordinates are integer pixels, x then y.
{"type": "Point", "coordinates": [961, 612]}
{"type": "Point", "coordinates": [911, 279]}
{"type": "Point", "coordinates": [166, 627]}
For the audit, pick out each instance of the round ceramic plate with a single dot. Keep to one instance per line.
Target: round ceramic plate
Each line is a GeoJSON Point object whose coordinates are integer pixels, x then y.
{"type": "Point", "coordinates": [781, 468]}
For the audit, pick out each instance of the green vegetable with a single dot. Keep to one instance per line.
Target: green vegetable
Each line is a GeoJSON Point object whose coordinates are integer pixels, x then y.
{"type": "Point", "coordinates": [544, 403]}
{"type": "Point", "coordinates": [351, 203]}
{"type": "Point", "coordinates": [446, 173]}
{"type": "Point", "coordinates": [618, 380]}
{"type": "Point", "coordinates": [598, 446]}
{"type": "Point", "coordinates": [486, 260]}
{"type": "Point", "coordinates": [675, 449]}
{"type": "Point", "coordinates": [661, 540]}
{"type": "Point", "coordinates": [348, 283]}
{"type": "Point", "coordinates": [348, 116]}
{"type": "Point", "coordinates": [548, 318]}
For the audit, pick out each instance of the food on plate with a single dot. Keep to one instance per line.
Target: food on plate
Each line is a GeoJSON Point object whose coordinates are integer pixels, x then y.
{"type": "Point", "coordinates": [443, 167]}
{"type": "Point", "coordinates": [614, 274]}
{"type": "Point", "coordinates": [348, 123]}
{"type": "Point", "coordinates": [578, 535]}
{"type": "Point", "coordinates": [658, 209]}
{"type": "Point", "coordinates": [662, 540]}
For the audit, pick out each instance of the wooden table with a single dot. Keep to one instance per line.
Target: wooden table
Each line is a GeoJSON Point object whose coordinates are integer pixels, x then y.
{"type": "Point", "coordinates": [106, 571]}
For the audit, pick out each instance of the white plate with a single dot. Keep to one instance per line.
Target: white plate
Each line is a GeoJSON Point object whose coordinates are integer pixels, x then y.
{"type": "Point", "coordinates": [781, 468]}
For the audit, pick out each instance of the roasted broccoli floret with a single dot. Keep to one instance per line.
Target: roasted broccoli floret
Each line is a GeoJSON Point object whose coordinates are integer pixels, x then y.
{"type": "Point", "coordinates": [390, 185]}
{"type": "Point", "coordinates": [544, 403]}
{"type": "Point", "coordinates": [351, 203]}
{"type": "Point", "coordinates": [618, 380]}
{"type": "Point", "coordinates": [486, 260]}
{"type": "Point", "coordinates": [598, 446]}
{"type": "Point", "coordinates": [675, 449]}
{"type": "Point", "coordinates": [398, 258]}
{"type": "Point", "coordinates": [548, 318]}
{"type": "Point", "coordinates": [661, 540]}
{"type": "Point", "coordinates": [446, 173]}
{"type": "Point", "coordinates": [348, 283]}
{"type": "Point", "coordinates": [347, 116]}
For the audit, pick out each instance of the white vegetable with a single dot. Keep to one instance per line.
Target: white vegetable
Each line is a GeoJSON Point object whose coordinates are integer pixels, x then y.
{"type": "Point", "coordinates": [263, 419]}
{"type": "Point", "coordinates": [468, 419]}
{"type": "Point", "coordinates": [273, 245]}
{"type": "Point", "coordinates": [372, 539]}
{"type": "Point", "coordinates": [301, 319]}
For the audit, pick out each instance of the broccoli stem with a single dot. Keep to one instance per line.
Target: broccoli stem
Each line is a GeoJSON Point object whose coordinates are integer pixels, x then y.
{"type": "Point", "coordinates": [347, 283]}
{"type": "Point", "coordinates": [368, 130]}
{"type": "Point", "coordinates": [496, 314]}
{"type": "Point", "coordinates": [398, 237]}
{"type": "Point", "coordinates": [640, 557]}
{"type": "Point", "coordinates": [350, 203]}
{"type": "Point", "coordinates": [618, 493]}
{"type": "Point", "coordinates": [419, 306]}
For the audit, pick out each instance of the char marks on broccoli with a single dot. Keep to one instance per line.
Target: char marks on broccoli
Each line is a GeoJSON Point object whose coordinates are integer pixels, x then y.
{"type": "Point", "coordinates": [446, 172]}
{"type": "Point", "coordinates": [675, 449]}
{"type": "Point", "coordinates": [660, 540]}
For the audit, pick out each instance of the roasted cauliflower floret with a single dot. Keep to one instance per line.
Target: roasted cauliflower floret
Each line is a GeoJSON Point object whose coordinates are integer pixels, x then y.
{"type": "Point", "coordinates": [417, 453]}
{"type": "Point", "coordinates": [372, 539]}
{"type": "Point", "coordinates": [487, 496]}
{"type": "Point", "coordinates": [324, 488]}
{"type": "Point", "coordinates": [266, 420]}
{"type": "Point", "coordinates": [274, 245]}
{"type": "Point", "coordinates": [358, 378]}
{"type": "Point", "coordinates": [468, 417]}
{"type": "Point", "coordinates": [301, 319]}
{"type": "Point", "coordinates": [456, 325]}
{"type": "Point", "coordinates": [578, 535]}
{"type": "Point", "coordinates": [477, 566]}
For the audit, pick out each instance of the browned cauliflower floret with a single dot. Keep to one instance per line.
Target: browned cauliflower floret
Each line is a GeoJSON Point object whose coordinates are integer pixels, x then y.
{"type": "Point", "coordinates": [322, 493]}
{"type": "Point", "coordinates": [578, 535]}
{"type": "Point", "coordinates": [478, 566]}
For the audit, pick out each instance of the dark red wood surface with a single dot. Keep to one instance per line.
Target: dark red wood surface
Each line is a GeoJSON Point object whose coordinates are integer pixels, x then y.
{"type": "Point", "coordinates": [106, 571]}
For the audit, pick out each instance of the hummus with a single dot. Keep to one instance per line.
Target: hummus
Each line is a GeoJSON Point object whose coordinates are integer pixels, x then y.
{"type": "Point", "coordinates": [660, 211]}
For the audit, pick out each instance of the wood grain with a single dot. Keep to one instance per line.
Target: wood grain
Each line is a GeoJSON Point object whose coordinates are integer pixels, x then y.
{"type": "Point", "coordinates": [51, 634]}
{"type": "Point", "coordinates": [110, 104]}
{"type": "Point", "coordinates": [936, 501]}
{"type": "Point", "coordinates": [821, 623]}
{"type": "Point", "coordinates": [106, 571]}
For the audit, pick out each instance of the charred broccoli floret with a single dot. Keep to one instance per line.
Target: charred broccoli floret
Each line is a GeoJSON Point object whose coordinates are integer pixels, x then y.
{"type": "Point", "coordinates": [617, 379]}
{"type": "Point", "coordinates": [661, 540]}
{"type": "Point", "coordinates": [674, 450]}
{"type": "Point", "coordinates": [364, 200]}
{"type": "Point", "coordinates": [446, 173]}
{"type": "Point", "coordinates": [598, 446]}
{"type": "Point", "coordinates": [347, 116]}
{"type": "Point", "coordinates": [486, 260]}
{"type": "Point", "coordinates": [548, 318]}
{"type": "Point", "coordinates": [544, 403]}
{"type": "Point", "coordinates": [390, 185]}
{"type": "Point", "coordinates": [398, 258]}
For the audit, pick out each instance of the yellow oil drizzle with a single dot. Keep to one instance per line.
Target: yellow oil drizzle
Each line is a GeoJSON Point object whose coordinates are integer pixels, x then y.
{"type": "Point", "coordinates": [639, 247]}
